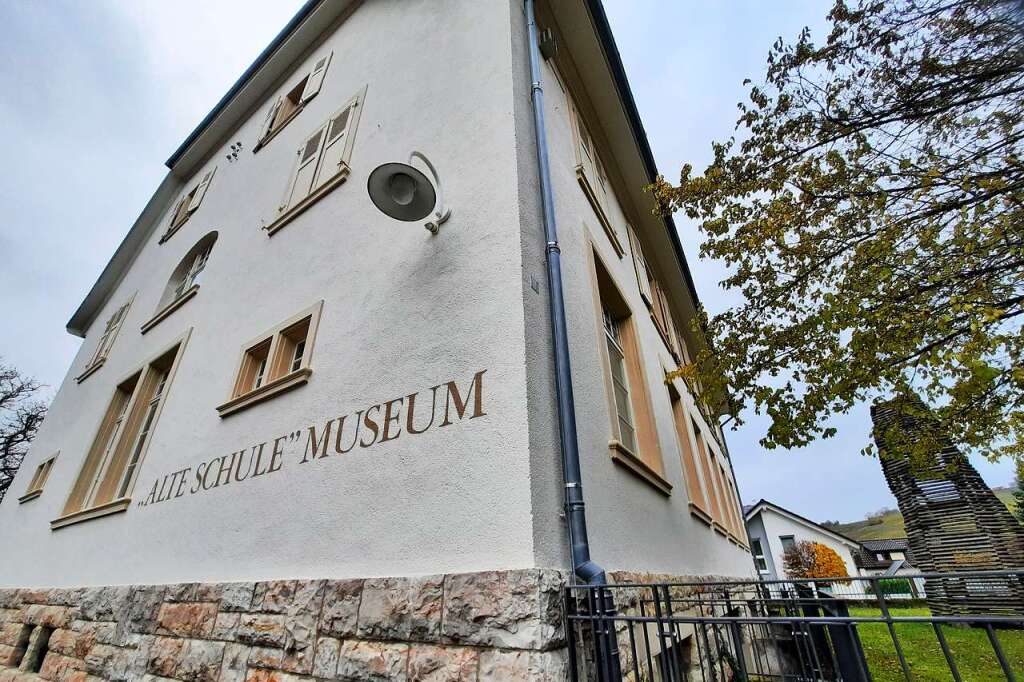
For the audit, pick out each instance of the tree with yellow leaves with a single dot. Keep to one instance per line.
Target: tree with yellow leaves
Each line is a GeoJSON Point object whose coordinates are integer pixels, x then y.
{"type": "Point", "coordinates": [807, 559]}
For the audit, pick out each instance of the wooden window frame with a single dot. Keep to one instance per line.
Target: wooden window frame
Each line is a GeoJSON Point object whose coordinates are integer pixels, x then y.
{"type": "Point", "coordinates": [696, 488]}
{"type": "Point", "coordinates": [183, 284]}
{"type": "Point", "coordinates": [38, 480]}
{"type": "Point", "coordinates": [594, 183]}
{"type": "Point", "coordinates": [279, 372]}
{"type": "Point", "coordinates": [188, 204]}
{"type": "Point", "coordinates": [646, 462]}
{"type": "Point", "coordinates": [110, 468]}
{"type": "Point", "coordinates": [296, 98]}
{"type": "Point", "coordinates": [106, 340]}
{"type": "Point", "coordinates": [288, 211]}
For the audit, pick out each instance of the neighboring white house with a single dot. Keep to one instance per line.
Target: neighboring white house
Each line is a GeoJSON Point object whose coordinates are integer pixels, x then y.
{"type": "Point", "coordinates": [279, 381]}
{"type": "Point", "coordinates": [772, 529]}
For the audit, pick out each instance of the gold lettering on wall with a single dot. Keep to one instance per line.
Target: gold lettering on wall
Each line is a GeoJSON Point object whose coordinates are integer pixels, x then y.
{"type": "Point", "coordinates": [378, 423]}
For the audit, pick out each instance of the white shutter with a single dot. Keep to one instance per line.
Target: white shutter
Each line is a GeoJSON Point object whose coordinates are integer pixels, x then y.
{"type": "Point", "coordinates": [316, 78]}
{"type": "Point", "coordinates": [305, 171]}
{"type": "Point", "coordinates": [334, 147]}
{"type": "Point", "coordinates": [197, 197]}
{"type": "Point", "coordinates": [640, 266]}
{"type": "Point", "coordinates": [268, 124]}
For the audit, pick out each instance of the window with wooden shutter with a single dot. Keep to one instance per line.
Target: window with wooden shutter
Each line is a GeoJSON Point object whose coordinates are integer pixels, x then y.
{"type": "Point", "coordinates": [183, 284]}
{"type": "Point", "coordinates": [590, 173]}
{"type": "Point", "coordinates": [276, 361]}
{"type": "Point", "coordinates": [287, 106]}
{"type": "Point", "coordinates": [634, 438]}
{"type": "Point", "coordinates": [38, 480]}
{"type": "Point", "coordinates": [188, 204]}
{"type": "Point", "coordinates": [322, 163]}
{"type": "Point", "coordinates": [106, 341]}
{"type": "Point", "coordinates": [108, 473]}
{"type": "Point", "coordinates": [640, 266]}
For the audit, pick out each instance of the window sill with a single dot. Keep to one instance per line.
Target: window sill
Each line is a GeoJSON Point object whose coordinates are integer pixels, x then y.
{"type": "Point", "coordinates": [622, 455]}
{"type": "Point", "coordinates": [700, 514]}
{"type": "Point", "coordinates": [114, 507]}
{"type": "Point", "coordinates": [166, 311]}
{"type": "Point", "coordinates": [89, 370]}
{"type": "Point", "coordinates": [720, 528]}
{"type": "Point", "coordinates": [284, 124]}
{"type": "Point", "coordinates": [171, 230]}
{"type": "Point", "coordinates": [602, 217]}
{"type": "Point", "coordinates": [296, 210]}
{"type": "Point", "coordinates": [31, 495]}
{"type": "Point", "coordinates": [266, 391]}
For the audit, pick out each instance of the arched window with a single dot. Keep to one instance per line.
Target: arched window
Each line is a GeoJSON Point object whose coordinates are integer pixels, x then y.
{"type": "Point", "coordinates": [184, 281]}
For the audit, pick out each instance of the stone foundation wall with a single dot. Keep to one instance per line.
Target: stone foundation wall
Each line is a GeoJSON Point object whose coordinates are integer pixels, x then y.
{"type": "Point", "coordinates": [503, 625]}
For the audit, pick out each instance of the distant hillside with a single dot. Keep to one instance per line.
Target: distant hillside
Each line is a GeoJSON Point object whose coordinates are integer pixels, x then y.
{"type": "Point", "coordinates": [890, 525]}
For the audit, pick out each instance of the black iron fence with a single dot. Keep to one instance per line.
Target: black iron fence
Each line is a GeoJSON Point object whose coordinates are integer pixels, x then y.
{"type": "Point", "coordinates": [871, 628]}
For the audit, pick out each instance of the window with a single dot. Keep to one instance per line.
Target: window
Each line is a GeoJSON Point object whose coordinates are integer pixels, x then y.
{"type": "Point", "coordinates": [110, 331]}
{"type": "Point", "coordinates": [787, 542]}
{"type": "Point", "coordinates": [759, 559]}
{"type": "Point", "coordinates": [634, 440]}
{"type": "Point", "coordinates": [699, 504]}
{"type": "Point", "coordinates": [322, 163]}
{"type": "Point", "coordinates": [592, 177]}
{"type": "Point", "coordinates": [276, 361]}
{"type": "Point", "coordinates": [187, 205]}
{"type": "Point", "coordinates": [655, 298]}
{"type": "Point", "coordinates": [108, 474]}
{"type": "Point", "coordinates": [35, 485]}
{"type": "Point", "coordinates": [287, 106]}
{"type": "Point", "coordinates": [184, 281]}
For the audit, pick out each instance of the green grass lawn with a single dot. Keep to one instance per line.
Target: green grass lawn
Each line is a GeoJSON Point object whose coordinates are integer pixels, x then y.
{"type": "Point", "coordinates": [891, 525]}
{"type": "Point", "coordinates": [970, 647]}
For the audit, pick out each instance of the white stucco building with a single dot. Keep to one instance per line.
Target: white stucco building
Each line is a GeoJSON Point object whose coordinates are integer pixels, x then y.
{"type": "Point", "coordinates": [278, 382]}
{"type": "Point", "coordinates": [773, 529]}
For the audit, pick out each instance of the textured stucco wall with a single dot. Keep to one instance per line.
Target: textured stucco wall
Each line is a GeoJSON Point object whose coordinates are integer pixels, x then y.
{"type": "Point", "coordinates": [632, 526]}
{"type": "Point", "coordinates": [403, 311]}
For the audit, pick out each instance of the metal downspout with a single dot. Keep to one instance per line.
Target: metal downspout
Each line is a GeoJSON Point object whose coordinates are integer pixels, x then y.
{"type": "Point", "coordinates": [583, 566]}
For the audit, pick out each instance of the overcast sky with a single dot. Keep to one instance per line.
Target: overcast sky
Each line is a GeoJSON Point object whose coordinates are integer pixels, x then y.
{"type": "Point", "coordinates": [98, 94]}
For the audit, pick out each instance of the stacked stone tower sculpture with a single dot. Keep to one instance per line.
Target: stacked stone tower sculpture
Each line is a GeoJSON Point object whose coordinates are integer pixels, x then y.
{"type": "Point", "coordinates": [954, 522]}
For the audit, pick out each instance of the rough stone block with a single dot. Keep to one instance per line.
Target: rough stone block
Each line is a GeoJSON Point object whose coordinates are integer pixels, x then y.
{"type": "Point", "coordinates": [141, 609]}
{"type": "Point", "coordinates": [59, 667]}
{"type": "Point", "coordinates": [102, 603]}
{"type": "Point", "coordinates": [372, 661]}
{"type": "Point", "coordinates": [226, 626]}
{"type": "Point", "coordinates": [51, 616]}
{"type": "Point", "coordinates": [261, 629]}
{"type": "Point", "coordinates": [234, 663]}
{"type": "Point", "coordinates": [510, 609]}
{"type": "Point", "coordinates": [265, 657]}
{"type": "Point", "coordinates": [402, 609]}
{"type": "Point", "coordinates": [325, 662]}
{"type": "Point", "coordinates": [340, 613]}
{"type": "Point", "coordinates": [523, 666]}
{"type": "Point", "coordinates": [232, 596]}
{"type": "Point", "coordinates": [181, 592]}
{"type": "Point", "coordinates": [442, 664]}
{"type": "Point", "coordinates": [201, 661]}
{"type": "Point", "coordinates": [63, 641]}
{"type": "Point", "coordinates": [164, 656]}
{"type": "Point", "coordinates": [187, 619]}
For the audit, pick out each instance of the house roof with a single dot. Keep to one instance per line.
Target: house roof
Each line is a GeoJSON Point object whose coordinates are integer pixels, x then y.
{"type": "Point", "coordinates": [752, 510]}
{"type": "Point", "coordinates": [887, 545]}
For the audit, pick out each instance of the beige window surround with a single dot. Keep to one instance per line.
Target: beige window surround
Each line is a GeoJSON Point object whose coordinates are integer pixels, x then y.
{"type": "Point", "coordinates": [321, 163]}
{"type": "Point", "coordinates": [111, 465]}
{"type": "Point", "coordinates": [698, 503]}
{"type": "Point", "coordinates": [287, 106]}
{"type": "Point", "coordinates": [592, 177]}
{"type": "Point", "coordinates": [106, 340]}
{"type": "Point", "coordinates": [274, 362]}
{"type": "Point", "coordinates": [38, 480]}
{"type": "Point", "coordinates": [633, 442]}
{"type": "Point", "coordinates": [187, 205]}
{"type": "Point", "coordinates": [183, 284]}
